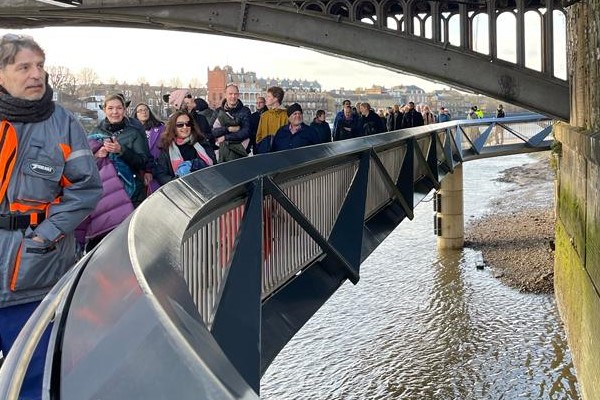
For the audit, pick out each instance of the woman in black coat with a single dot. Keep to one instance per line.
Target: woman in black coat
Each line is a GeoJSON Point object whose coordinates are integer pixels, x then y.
{"type": "Point", "coordinates": [184, 149]}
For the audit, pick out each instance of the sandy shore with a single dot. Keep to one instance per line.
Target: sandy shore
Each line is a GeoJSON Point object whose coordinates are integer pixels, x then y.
{"type": "Point", "coordinates": [517, 239]}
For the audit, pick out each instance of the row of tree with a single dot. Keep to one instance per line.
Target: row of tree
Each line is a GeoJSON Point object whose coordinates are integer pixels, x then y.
{"type": "Point", "coordinates": [81, 83]}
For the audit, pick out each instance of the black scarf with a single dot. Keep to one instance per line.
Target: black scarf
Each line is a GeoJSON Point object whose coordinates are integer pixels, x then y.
{"type": "Point", "coordinates": [14, 109]}
{"type": "Point", "coordinates": [119, 126]}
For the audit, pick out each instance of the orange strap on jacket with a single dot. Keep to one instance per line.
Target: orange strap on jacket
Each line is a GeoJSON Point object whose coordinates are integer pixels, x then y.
{"type": "Point", "coordinates": [8, 154]}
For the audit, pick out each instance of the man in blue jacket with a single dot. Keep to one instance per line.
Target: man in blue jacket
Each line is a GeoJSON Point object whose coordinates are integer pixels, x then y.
{"type": "Point", "coordinates": [340, 115]}
{"type": "Point", "coordinates": [296, 133]}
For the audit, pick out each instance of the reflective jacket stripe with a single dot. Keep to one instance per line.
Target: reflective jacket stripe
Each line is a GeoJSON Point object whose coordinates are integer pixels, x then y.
{"type": "Point", "coordinates": [8, 154]}
{"type": "Point", "coordinates": [66, 150]}
{"type": "Point", "coordinates": [15, 275]}
{"type": "Point", "coordinates": [25, 208]}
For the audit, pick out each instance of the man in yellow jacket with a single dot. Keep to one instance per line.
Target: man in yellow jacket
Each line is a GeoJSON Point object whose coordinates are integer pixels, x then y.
{"type": "Point", "coordinates": [271, 120]}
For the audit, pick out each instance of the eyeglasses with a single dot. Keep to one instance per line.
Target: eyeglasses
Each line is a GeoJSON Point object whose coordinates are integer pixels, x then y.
{"type": "Point", "coordinates": [182, 124]}
{"type": "Point", "coordinates": [142, 110]}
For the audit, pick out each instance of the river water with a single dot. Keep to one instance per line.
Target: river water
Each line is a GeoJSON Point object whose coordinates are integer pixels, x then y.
{"type": "Point", "coordinates": [426, 324]}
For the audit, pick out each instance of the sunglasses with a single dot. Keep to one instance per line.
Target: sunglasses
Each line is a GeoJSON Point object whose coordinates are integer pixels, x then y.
{"type": "Point", "coordinates": [182, 124]}
{"type": "Point", "coordinates": [12, 37]}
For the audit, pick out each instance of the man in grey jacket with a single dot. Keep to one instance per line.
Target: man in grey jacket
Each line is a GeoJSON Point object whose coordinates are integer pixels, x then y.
{"type": "Point", "coordinates": [49, 183]}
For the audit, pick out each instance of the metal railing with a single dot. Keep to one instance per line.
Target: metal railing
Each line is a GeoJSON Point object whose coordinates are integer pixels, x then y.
{"type": "Point", "coordinates": [319, 193]}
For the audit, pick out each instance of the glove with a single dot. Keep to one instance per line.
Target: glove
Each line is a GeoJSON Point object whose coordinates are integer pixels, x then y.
{"type": "Point", "coordinates": [184, 168]}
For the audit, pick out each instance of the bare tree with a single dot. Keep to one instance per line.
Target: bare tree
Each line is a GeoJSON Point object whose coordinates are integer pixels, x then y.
{"type": "Point", "coordinates": [175, 82]}
{"type": "Point", "coordinates": [87, 78]}
{"type": "Point", "coordinates": [195, 83]}
{"type": "Point", "coordinates": [61, 78]}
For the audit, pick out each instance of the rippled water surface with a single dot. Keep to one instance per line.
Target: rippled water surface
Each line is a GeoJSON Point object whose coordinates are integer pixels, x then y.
{"type": "Point", "coordinates": [425, 324]}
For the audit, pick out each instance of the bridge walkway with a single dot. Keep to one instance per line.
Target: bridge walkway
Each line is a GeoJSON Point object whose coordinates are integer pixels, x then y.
{"type": "Point", "coordinates": [196, 293]}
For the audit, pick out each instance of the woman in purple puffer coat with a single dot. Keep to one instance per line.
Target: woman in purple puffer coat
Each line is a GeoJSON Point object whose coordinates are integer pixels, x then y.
{"type": "Point", "coordinates": [114, 206]}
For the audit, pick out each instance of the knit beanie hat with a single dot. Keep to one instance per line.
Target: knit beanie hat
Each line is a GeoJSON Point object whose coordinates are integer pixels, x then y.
{"type": "Point", "coordinates": [293, 108]}
{"type": "Point", "coordinates": [175, 98]}
{"type": "Point", "coordinates": [201, 104]}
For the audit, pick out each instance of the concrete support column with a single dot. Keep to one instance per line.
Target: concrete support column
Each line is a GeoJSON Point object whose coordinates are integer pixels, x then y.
{"type": "Point", "coordinates": [449, 217]}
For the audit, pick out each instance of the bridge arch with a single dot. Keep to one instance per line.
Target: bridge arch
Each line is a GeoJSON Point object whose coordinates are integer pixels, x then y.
{"type": "Point", "coordinates": [438, 55]}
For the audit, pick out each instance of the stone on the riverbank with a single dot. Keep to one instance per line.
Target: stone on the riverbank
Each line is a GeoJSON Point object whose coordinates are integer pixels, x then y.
{"type": "Point", "coordinates": [517, 240]}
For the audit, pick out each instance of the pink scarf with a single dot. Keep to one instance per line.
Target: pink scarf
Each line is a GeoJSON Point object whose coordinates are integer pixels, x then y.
{"type": "Point", "coordinates": [177, 159]}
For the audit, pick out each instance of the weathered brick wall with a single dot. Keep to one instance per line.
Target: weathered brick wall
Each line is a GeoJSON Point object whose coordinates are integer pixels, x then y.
{"type": "Point", "coordinates": [583, 33]}
{"type": "Point", "coordinates": [577, 256]}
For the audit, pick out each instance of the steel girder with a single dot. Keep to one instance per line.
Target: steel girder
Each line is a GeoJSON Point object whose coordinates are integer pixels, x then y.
{"type": "Point", "coordinates": [297, 24]}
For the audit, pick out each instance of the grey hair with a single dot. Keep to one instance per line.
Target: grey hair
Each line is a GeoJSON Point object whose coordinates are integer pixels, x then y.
{"type": "Point", "coordinates": [11, 44]}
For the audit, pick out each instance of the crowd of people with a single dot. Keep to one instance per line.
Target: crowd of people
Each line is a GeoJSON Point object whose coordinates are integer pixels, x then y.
{"type": "Point", "coordinates": [63, 190]}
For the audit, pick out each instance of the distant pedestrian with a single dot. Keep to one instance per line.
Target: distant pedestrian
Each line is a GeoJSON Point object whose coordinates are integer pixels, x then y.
{"type": "Point", "coordinates": [261, 107]}
{"type": "Point", "coordinates": [154, 128]}
{"type": "Point", "coordinates": [394, 120]}
{"type": "Point", "coordinates": [340, 115]}
{"type": "Point", "coordinates": [271, 120]}
{"type": "Point", "coordinates": [412, 117]}
{"type": "Point", "coordinates": [472, 114]}
{"type": "Point", "coordinates": [498, 130]}
{"type": "Point", "coordinates": [500, 111]}
{"type": "Point", "coordinates": [191, 106]}
{"type": "Point", "coordinates": [175, 98]}
{"type": "Point", "coordinates": [322, 127]}
{"type": "Point", "coordinates": [370, 122]}
{"type": "Point", "coordinates": [477, 112]}
{"type": "Point", "coordinates": [349, 126]}
{"type": "Point", "coordinates": [296, 133]}
{"type": "Point", "coordinates": [231, 128]}
{"type": "Point", "coordinates": [473, 131]}
{"type": "Point", "coordinates": [444, 115]}
{"type": "Point", "coordinates": [383, 119]}
{"type": "Point", "coordinates": [428, 117]}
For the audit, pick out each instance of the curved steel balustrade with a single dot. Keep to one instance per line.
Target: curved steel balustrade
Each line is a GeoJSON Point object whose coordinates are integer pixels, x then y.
{"type": "Point", "coordinates": [406, 36]}
{"type": "Point", "coordinates": [195, 294]}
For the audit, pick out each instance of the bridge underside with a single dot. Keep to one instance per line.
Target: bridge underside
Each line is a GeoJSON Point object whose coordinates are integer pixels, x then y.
{"type": "Point", "coordinates": [270, 21]}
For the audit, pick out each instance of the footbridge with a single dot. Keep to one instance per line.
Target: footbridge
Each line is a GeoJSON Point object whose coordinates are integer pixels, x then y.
{"type": "Point", "coordinates": [454, 42]}
{"type": "Point", "coordinates": [196, 293]}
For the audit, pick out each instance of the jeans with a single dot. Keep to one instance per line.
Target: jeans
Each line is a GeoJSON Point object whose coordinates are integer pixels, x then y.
{"type": "Point", "coordinates": [12, 320]}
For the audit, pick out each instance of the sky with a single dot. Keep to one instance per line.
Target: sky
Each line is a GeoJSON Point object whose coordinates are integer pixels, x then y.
{"type": "Point", "coordinates": [125, 55]}
{"type": "Point", "coordinates": [159, 56]}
